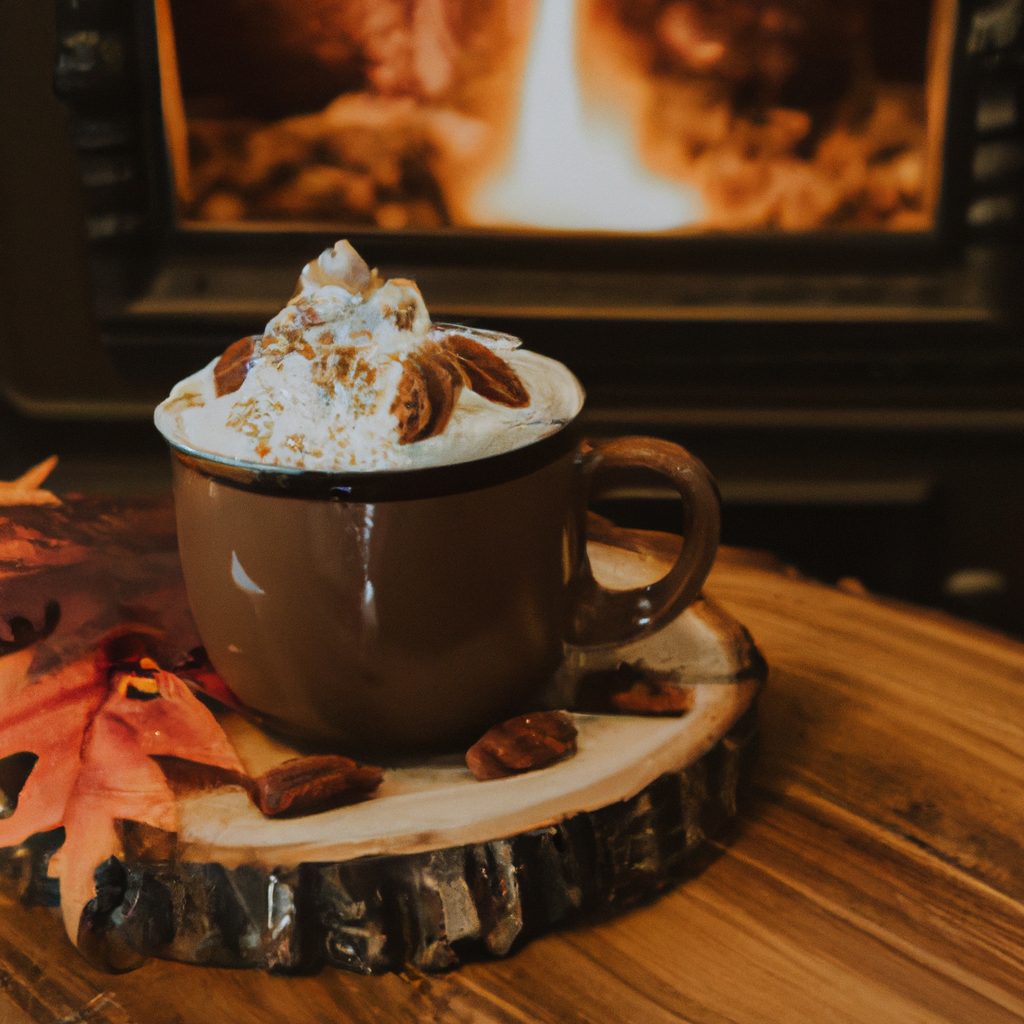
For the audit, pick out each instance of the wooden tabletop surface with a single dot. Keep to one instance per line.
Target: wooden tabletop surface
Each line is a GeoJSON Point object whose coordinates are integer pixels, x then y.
{"type": "Point", "coordinates": [877, 874]}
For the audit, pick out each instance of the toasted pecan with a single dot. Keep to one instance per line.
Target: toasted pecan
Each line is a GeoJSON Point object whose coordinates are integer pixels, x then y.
{"type": "Point", "coordinates": [233, 365]}
{"type": "Point", "coordinates": [487, 373]}
{"type": "Point", "coordinates": [308, 785]}
{"type": "Point", "coordinates": [522, 744]}
{"type": "Point", "coordinates": [427, 393]}
{"type": "Point", "coordinates": [632, 689]}
{"type": "Point", "coordinates": [412, 404]}
{"type": "Point", "coordinates": [443, 382]}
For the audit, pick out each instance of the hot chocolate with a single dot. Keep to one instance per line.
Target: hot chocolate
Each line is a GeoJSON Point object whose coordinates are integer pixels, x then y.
{"type": "Point", "coordinates": [352, 375]}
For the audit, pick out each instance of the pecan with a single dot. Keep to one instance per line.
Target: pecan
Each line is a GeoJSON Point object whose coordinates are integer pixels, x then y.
{"type": "Point", "coordinates": [427, 394]}
{"type": "Point", "coordinates": [411, 405]}
{"type": "Point", "coordinates": [522, 744]}
{"type": "Point", "coordinates": [443, 383]}
{"type": "Point", "coordinates": [309, 785]}
{"type": "Point", "coordinates": [233, 365]}
{"type": "Point", "coordinates": [433, 376]}
{"type": "Point", "coordinates": [654, 697]}
{"type": "Point", "coordinates": [487, 373]}
{"type": "Point", "coordinates": [632, 690]}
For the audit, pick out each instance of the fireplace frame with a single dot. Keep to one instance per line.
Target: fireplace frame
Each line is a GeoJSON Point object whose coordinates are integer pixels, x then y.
{"type": "Point", "coordinates": [137, 244]}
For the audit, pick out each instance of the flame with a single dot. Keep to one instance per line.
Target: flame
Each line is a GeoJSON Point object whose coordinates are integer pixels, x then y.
{"type": "Point", "coordinates": [573, 167]}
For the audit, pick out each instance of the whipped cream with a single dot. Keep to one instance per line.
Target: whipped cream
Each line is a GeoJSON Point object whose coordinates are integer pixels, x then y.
{"type": "Point", "coordinates": [352, 375]}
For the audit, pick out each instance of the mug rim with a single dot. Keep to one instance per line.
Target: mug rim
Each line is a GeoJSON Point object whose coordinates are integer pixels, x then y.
{"type": "Point", "coordinates": [367, 486]}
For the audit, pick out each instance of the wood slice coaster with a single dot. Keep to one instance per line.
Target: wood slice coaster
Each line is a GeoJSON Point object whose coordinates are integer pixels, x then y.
{"type": "Point", "coordinates": [438, 866]}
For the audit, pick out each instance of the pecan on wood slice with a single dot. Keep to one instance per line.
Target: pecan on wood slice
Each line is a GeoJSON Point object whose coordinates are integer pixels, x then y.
{"type": "Point", "coordinates": [233, 365]}
{"type": "Point", "coordinates": [487, 373]}
{"type": "Point", "coordinates": [522, 744]}
{"type": "Point", "coordinates": [309, 785]}
{"type": "Point", "coordinates": [632, 690]}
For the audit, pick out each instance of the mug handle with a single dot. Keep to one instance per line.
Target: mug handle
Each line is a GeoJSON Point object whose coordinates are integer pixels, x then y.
{"type": "Point", "coordinates": [603, 617]}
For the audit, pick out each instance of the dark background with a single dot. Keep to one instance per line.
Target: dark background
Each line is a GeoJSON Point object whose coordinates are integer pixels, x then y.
{"type": "Point", "coordinates": [889, 450]}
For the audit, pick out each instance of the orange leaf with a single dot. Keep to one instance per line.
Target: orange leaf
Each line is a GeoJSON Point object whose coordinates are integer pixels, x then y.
{"type": "Point", "coordinates": [95, 743]}
{"type": "Point", "coordinates": [17, 654]}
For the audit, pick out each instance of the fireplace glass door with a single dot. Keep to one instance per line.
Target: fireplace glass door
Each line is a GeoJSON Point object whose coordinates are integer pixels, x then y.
{"type": "Point", "coordinates": [646, 117]}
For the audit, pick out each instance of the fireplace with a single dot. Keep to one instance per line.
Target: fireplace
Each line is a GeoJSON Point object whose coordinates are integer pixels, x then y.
{"type": "Point", "coordinates": [544, 158]}
{"type": "Point", "coordinates": [684, 177]}
{"type": "Point", "coordinates": [668, 161]}
{"type": "Point", "coordinates": [780, 231]}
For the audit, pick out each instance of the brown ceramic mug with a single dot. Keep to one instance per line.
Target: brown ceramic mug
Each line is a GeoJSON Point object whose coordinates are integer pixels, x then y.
{"type": "Point", "coordinates": [405, 610]}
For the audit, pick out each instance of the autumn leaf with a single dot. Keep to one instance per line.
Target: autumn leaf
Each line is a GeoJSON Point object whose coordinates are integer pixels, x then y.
{"type": "Point", "coordinates": [26, 489]}
{"type": "Point", "coordinates": [17, 653]}
{"type": "Point", "coordinates": [96, 725]}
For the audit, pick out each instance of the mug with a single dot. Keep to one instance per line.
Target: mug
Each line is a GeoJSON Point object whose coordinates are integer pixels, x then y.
{"type": "Point", "coordinates": [402, 611]}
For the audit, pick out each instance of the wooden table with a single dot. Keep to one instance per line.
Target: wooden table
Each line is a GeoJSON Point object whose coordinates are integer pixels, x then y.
{"type": "Point", "coordinates": [877, 875]}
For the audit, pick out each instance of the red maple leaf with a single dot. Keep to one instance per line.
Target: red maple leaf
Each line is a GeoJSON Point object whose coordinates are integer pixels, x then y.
{"type": "Point", "coordinates": [96, 725]}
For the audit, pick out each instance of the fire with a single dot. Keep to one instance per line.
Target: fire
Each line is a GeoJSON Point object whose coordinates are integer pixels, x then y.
{"type": "Point", "coordinates": [735, 115]}
{"type": "Point", "coordinates": [572, 167]}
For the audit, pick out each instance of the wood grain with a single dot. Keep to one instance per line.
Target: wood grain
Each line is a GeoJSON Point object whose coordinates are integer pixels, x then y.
{"type": "Point", "coordinates": [876, 875]}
